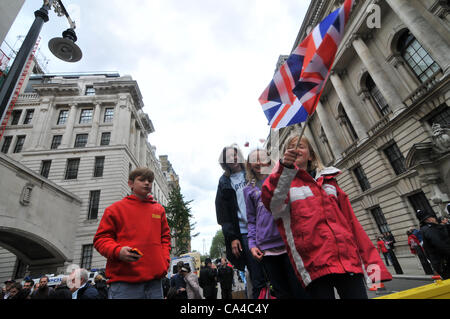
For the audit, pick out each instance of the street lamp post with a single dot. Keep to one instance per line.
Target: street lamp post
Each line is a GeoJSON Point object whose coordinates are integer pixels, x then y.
{"type": "Point", "coordinates": [64, 48]}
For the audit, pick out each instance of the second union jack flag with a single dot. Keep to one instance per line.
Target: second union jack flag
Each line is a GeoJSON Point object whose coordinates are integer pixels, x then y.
{"type": "Point", "coordinates": [294, 92]}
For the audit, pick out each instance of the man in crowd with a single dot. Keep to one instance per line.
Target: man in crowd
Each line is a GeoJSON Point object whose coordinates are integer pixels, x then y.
{"type": "Point", "coordinates": [208, 280]}
{"type": "Point", "coordinates": [225, 277]}
{"type": "Point", "coordinates": [43, 291]}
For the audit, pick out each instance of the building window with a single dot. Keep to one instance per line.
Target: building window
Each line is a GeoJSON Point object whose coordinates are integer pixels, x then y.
{"type": "Point", "coordinates": [72, 168]}
{"type": "Point", "coordinates": [89, 90]}
{"type": "Point", "coordinates": [98, 166]}
{"type": "Point", "coordinates": [86, 256]}
{"type": "Point", "coordinates": [62, 118]}
{"type": "Point", "coordinates": [417, 57]}
{"type": "Point", "coordinates": [19, 144]}
{"type": "Point", "coordinates": [396, 158]}
{"type": "Point", "coordinates": [6, 144]}
{"type": "Point", "coordinates": [382, 224]}
{"type": "Point", "coordinates": [442, 118]}
{"type": "Point", "coordinates": [376, 95]}
{"type": "Point", "coordinates": [420, 201]}
{"type": "Point", "coordinates": [86, 116]}
{"type": "Point", "coordinates": [45, 168]}
{"type": "Point", "coordinates": [361, 177]}
{"type": "Point", "coordinates": [106, 138]}
{"type": "Point", "coordinates": [56, 141]}
{"type": "Point", "coordinates": [16, 117]}
{"type": "Point", "coordinates": [28, 117]}
{"type": "Point", "coordinates": [109, 115]}
{"type": "Point", "coordinates": [94, 200]}
{"type": "Point", "coordinates": [81, 140]}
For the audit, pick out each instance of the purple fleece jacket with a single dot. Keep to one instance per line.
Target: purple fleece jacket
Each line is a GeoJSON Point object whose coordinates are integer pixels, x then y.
{"type": "Point", "coordinates": [262, 230]}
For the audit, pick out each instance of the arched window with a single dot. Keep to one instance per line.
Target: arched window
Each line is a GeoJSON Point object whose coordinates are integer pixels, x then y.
{"type": "Point", "coordinates": [376, 95]}
{"type": "Point", "coordinates": [417, 57]}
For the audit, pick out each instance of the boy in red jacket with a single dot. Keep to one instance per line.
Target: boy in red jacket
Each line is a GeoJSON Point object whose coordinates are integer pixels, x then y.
{"type": "Point", "coordinates": [134, 236]}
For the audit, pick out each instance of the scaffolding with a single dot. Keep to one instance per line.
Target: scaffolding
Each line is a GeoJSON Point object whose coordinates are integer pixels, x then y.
{"type": "Point", "coordinates": [18, 88]}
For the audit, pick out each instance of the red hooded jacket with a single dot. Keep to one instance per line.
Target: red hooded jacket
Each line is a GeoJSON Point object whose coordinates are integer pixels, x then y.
{"type": "Point", "coordinates": [137, 224]}
{"type": "Point", "coordinates": [318, 225]}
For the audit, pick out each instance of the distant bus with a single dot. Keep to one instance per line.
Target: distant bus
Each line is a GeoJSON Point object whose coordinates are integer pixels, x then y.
{"type": "Point", "coordinates": [196, 256]}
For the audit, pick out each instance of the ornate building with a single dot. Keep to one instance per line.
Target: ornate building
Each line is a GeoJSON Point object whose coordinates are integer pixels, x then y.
{"type": "Point", "coordinates": [384, 116]}
{"type": "Point", "coordinates": [84, 133]}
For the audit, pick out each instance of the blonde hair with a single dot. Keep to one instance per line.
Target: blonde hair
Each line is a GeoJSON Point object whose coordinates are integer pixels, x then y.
{"type": "Point", "coordinates": [315, 162]}
{"type": "Point", "coordinates": [249, 174]}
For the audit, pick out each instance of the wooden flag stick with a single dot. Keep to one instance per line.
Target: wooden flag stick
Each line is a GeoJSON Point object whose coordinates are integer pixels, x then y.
{"type": "Point", "coordinates": [302, 131]}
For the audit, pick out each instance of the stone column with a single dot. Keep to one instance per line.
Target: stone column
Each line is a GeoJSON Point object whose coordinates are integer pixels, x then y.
{"type": "Point", "coordinates": [379, 76]}
{"type": "Point", "coordinates": [132, 139]}
{"type": "Point", "coordinates": [432, 41]}
{"type": "Point", "coordinates": [138, 146]}
{"type": "Point", "coordinates": [143, 152]}
{"type": "Point", "coordinates": [42, 124]}
{"type": "Point", "coordinates": [330, 130]}
{"type": "Point", "coordinates": [68, 133]}
{"type": "Point", "coordinates": [410, 81]}
{"type": "Point", "coordinates": [93, 134]}
{"type": "Point", "coordinates": [350, 109]}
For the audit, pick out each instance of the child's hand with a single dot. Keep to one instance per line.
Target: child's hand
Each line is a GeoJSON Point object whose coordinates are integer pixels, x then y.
{"type": "Point", "coordinates": [289, 157]}
{"type": "Point", "coordinates": [257, 254]}
{"type": "Point", "coordinates": [126, 255]}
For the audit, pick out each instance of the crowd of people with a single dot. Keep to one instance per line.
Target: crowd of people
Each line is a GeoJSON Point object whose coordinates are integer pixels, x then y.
{"type": "Point", "coordinates": [73, 286]}
{"type": "Point", "coordinates": [184, 284]}
{"type": "Point", "coordinates": [292, 226]}
{"type": "Point", "coordinates": [286, 222]}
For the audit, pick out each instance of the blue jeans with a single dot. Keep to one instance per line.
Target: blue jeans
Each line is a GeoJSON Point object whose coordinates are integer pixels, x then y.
{"type": "Point", "coordinates": [142, 290]}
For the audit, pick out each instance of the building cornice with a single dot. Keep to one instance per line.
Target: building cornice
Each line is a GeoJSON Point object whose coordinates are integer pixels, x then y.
{"type": "Point", "coordinates": [116, 87]}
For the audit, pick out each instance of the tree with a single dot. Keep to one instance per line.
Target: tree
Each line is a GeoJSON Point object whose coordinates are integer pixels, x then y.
{"type": "Point", "coordinates": [217, 245]}
{"type": "Point", "coordinates": [178, 217]}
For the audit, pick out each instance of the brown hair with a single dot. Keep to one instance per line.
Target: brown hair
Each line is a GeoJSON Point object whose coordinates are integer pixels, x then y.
{"type": "Point", "coordinates": [143, 173]}
{"type": "Point", "coordinates": [315, 163]}
{"type": "Point", "coordinates": [223, 158]}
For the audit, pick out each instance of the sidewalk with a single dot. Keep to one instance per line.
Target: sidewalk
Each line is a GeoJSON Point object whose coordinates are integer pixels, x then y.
{"type": "Point", "coordinates": [412, 269]}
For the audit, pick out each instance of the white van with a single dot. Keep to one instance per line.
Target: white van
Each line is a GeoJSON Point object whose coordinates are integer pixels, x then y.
{"type": "Point", "coordinates": [189, 260]}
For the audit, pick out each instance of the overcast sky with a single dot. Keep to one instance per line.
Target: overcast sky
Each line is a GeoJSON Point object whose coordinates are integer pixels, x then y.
{"type": "Point", "coordinates": [201, 66]}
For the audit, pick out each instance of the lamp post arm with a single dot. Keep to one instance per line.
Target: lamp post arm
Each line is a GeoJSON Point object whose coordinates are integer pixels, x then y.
{"type": "Point", "coordinates": [61, 10]}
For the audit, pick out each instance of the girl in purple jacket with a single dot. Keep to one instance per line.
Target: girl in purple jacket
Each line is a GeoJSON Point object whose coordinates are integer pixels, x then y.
{"type": "Point", "coordinates": [265, 242]}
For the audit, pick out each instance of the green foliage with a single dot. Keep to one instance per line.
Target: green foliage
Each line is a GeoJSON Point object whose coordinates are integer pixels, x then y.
{"type": "Point", "coordinates": [217, 246]}
{"type": "Point", "coordinates": [178, 217]}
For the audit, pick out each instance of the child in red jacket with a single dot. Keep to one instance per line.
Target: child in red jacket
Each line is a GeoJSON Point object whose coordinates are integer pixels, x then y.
{"type": "Point", "coordinates": [134, 236]}
{"type": "Point", "coordinates": [326, 244]}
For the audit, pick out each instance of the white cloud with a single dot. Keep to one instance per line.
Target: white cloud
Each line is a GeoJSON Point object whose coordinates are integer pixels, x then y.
{"type": "Point", "coordinates": [200, 65]}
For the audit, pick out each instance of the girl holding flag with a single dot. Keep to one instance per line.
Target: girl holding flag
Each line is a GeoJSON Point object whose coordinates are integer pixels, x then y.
{"type": "Point", "coordinates": [326, 244]}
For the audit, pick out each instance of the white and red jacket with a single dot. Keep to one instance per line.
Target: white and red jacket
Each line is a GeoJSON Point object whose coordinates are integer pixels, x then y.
{"type": "Point", "coordinates": [318, 225]}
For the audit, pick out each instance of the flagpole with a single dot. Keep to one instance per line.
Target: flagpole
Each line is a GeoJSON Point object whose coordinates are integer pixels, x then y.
{"type": "Point", "coordinates": [303, 131]}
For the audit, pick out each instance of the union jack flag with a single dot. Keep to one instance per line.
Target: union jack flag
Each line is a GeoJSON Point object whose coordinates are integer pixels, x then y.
{"type": "Point", "coordinates": [295, 90]}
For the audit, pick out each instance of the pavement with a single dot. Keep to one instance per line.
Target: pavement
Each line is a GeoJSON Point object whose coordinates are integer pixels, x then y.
{"type": "Point", "coordinates": [412, 269]}
{"type": "Point", "coordinates": [413, 276]}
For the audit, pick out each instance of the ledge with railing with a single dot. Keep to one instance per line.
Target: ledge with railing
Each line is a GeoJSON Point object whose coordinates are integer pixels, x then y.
{"type": "Point", "coordinates": [426, 87]}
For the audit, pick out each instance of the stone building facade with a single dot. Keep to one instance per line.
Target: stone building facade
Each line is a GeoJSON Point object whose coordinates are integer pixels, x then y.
{"type": "Point", "coordinates": [384, 116]}
{"type": "Point", "coordinates": [85, 133]}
